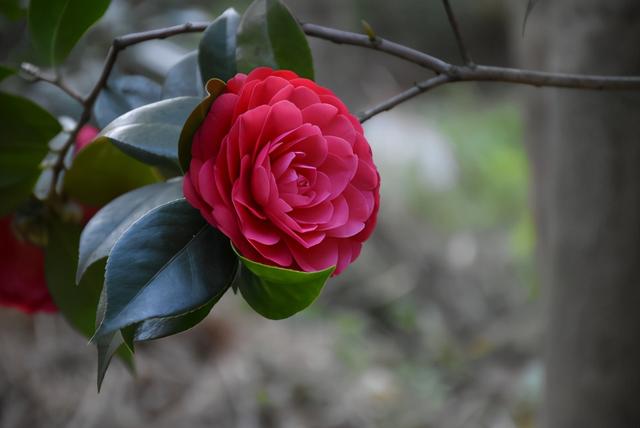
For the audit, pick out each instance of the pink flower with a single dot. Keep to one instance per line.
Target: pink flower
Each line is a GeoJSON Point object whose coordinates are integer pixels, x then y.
{"type": "Point", "coordinates": [22, 282]}
{"type": "Point", "coordinates": [282, 168]}
{"type": "Point", "coordinates": [85, 136]}
{"type": "Point", "coordinates": [22, 279]}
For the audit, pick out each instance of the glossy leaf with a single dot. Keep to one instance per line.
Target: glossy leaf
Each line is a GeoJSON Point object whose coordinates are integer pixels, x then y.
{"type": "Point", "coordinates": [100, 172]}
{"type": "Point", "coordinates": [167, 263]}
{"type": "Point", "coordinates": [269, 35]}
{"type": "Point", "coordinates": [123, 94]}
{"type": "Point", "coordinates": [57, 25]}
{"type": "Point", "coordinates": [104, 228]}
{"type": "Point", "coordinates": [214, 87]}
{"type": "Point", "coordinates": [278, 293]}
{"type": "Point", "coordinates": [77, 304]}
{"type": "Point", "coordinates": [183, 79]}
{"type": "Point", "coordinates": [26, 131]}
{"type": "Point", "coordinates": [217, 50]}
{"type": "Point", "coordinates": [109, 345]}
{"type": "Point", "coordinates": [156, 328]}
{"type": "Point", "coordinates": [151, 133]}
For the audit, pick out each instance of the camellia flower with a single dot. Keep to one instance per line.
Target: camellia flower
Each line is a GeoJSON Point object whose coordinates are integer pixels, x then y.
{"type": "Point", "coordinates": [22, 279]}
{"type": "Point", "coordinates": [282, 168]}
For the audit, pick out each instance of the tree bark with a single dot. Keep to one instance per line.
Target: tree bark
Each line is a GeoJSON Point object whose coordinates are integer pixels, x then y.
{"type": "Point", "coordinates": [585, 160]}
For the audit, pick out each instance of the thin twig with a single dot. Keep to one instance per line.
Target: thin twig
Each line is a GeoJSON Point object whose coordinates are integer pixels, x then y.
{"type": "Point", "coordinates": [478, 72]}
{"type": "Point", "coordinates": [453, 21]}
{"type": "Point", "coordinates": [37, 75]}
{"type": "Point", "coordinates": [416, 89]}
{"type": "Point", "coordinates": [379, 44]}
{"type": "Point", "coordinates": [446, 72]}
{"type": "Point", "coordinates": [119, 44]}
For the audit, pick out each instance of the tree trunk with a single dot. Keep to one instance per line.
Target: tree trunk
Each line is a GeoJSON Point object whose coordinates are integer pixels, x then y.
{"type": "Point", "coordinates": [585, 158]}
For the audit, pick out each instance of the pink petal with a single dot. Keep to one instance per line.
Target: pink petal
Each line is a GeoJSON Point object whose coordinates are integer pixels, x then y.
{"type": "Point", "coordinates": [251, 125]}
{"type": "Point", "coordinates": [286, 74]}
{"type": "Point", "coordinates": [265, 90]}
{"type": "Point", "coordinates": [340, 214]}
{"type": "Point", "coordinates": [339, 146]}
{"type": "Point", "coordinates": [340, 171]}
{"type": "Point", "coordinates": [259, 73]}
{"type": "Point", "coordinates": [351, 228]}
{"type": "Point", "coordinates": [260, 185]}
{"type": "Point", "coordinates": [283, 116]}
{"type": "Point", "coordinates": [366, 177]}
{"type": "Point", "coordinates": [278, 253]}
{"type": "Point", "coordinates": [316, 258]}
{"type": "Point", "coordinates": [319, 214]}
{"type": "Point", "coordinates": [303, 97]}
{"type": "Point", "coordinates": [302, 82]}
{"type": "Point", "coordinates": [281, 164]}
{"type": "Point", "coordinates": [259, 231]}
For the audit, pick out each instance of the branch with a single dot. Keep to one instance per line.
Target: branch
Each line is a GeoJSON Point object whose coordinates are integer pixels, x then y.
{"type": "Point", "coordinates": [479, 72]}
{"type": "Point", "coordinates": [119, 44]}
{"type": "Point", "coordinates": [453, 21]}
{"type": "Point", "coordinates": [37, 75]}
{"type": "Point", "coordinates": [446, 72]}
{"type": "Point", "coordinates": [416, 89]}
{"type": "Point", "coordinates": [379, 44]}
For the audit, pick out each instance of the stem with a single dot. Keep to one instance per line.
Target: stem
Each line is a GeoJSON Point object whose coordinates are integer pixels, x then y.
{"type": "Point", "coordinates": [416, 89]}
{"type": "Point", "coordinates": [453, 21]}
{"type": "Point", "coordinates": [477, 72]}
{"type": "Point", "coordinates": [445, 72]}
{"type": "Point", "coordinates": [38, 75]}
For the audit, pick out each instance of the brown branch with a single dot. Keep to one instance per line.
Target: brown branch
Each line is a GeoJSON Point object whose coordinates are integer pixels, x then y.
{"type": "Point", "coordinates": [416, 89]}
{"type": "Point", "coordinates": [479, 72]}
{"type": "Point", "coordinates": [379, 44]}
{"type": "Point", "coordinates": [446, 72]}
{"type": "Point", "coordinates": [453, 21]}
{"type": "Point", "coordinates": [36, 75]}
{"type": "Point", "coordinates": [119, 44]}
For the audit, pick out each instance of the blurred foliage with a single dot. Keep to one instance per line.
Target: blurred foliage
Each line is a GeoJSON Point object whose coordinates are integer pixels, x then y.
{"type": "Point", "coordinates": [492, 182]}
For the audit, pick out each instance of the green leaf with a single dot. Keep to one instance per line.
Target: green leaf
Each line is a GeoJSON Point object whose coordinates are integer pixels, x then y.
{"type": "Point", "coordinates": [151, 133]}
{"type": "Point", "coordinates": [57, 25]}
{"type": "Point", "coordinates": [217, 50]}
{"type": "Point", "coordinates": [77, 304]}
{"type": "Point", "coordinates": [104, 228]}
{"type": "Point", "coordinates": [5, 72]}
{"type": "Point", "coordinates": [100, 172]}
{"type": "Point", "coordinates": [109, 345]}
{"type": "Point", "coordinates": [156, 328]}
{"type": "Point", "coordinates": [123, 94]}
{"type": "Point", "coordinates": [214, 87]}
{"type": "Point", "coordinates": [26, 131]}
{"type": "Point", "coordinates": [278, 293]}
{"type": "Point", "coordinates": [167, 263]}
{"type": "Point", "coordinates": [269, 35]}
{"type": "Point", "coordinates": [183, 79]}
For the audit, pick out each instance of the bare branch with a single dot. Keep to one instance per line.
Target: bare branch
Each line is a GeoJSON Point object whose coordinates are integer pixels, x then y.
{"type": "Point", "coordinates": [478, 72]}
{"type": "Point", "coordinates": [118, 44]}
{"type": "Point", "coordinates": [542, 78]}
{"type": "Point", "coordinates": [416, 89]}
{"type": "Point", "coordinates": [379, 44]}
{"type": "Point", "coordinates": [446, 72]}
{"type": "Point", "coordinates": [453, 21]}
{"type": "Point", "coordinates": [37, 75]}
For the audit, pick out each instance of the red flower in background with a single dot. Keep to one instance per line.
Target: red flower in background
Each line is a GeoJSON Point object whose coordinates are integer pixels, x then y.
{"type": "Point", "coordinates": [282, 168]}
{"type": "Point", "coordinates": [22, 279]}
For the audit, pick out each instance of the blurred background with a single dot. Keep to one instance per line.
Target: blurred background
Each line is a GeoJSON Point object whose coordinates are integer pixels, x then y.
{"type": "Point", "coordinates": [438, 324]}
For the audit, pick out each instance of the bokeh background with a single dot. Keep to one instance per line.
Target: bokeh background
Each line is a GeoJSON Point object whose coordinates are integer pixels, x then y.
{"type": "Point", "coordinates": [438, 324]}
